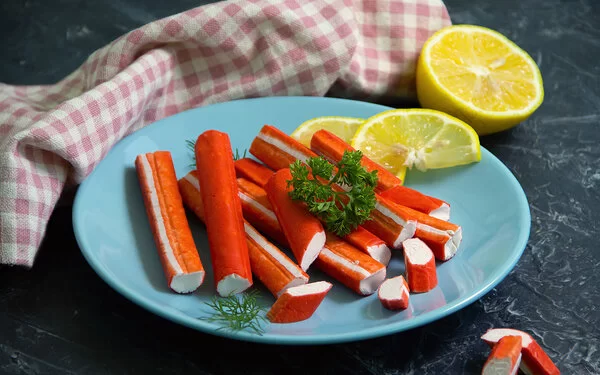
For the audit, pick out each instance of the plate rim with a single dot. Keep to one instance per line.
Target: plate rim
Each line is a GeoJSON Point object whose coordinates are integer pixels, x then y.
{"type": "Point", "coordinates": [276, 338]}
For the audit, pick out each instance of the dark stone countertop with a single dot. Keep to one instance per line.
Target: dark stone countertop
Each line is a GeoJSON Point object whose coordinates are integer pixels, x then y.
{"type": "Point", "coordinates": [60, 317]}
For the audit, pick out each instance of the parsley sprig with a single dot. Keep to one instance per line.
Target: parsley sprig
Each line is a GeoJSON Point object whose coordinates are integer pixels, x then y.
{"type": "Point", "coordinates": [317, 182]}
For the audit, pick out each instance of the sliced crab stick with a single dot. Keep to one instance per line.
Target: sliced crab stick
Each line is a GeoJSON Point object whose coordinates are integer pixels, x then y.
{"type": "Point", "coordinates": [390, 224]}
{"type": "Point", "coordinates": [269, 264]}
{"type": "Point", "coordinates": [332, 148]}
{"type": "Point", "coordinates": [504, 358]}
{"type": "Point", "coordinates": [394, 293]}
{"type": "Point", "coordinates": [164, 207]}
{"type": "Point", "coordinates": [223, 213]}
{"type": "Point", "coordinates": [278, 150]}
{"type": "Point", "coordinates": [298, 303]}
{"type": "Point", "coordinates": [258, 211]}
{"type": "Point", "coordinates": [253, 171]}
{"type": "Point", "coordinates": [282, 150]}
{"type": "Point", "coordinates": [442, 237]}
{"type": "Point", "coordinates": [419, 262]}
{"type": "Point", "coordinates": [350, 266]}
{"type": "Point", "coordinates": [304, 232]}
{"type": "Point", "coordinates": [534, 360]}
{"type": "Point", "coordinates": [416, 200]}
{"type": "Point", "coordinates": [369, 243]}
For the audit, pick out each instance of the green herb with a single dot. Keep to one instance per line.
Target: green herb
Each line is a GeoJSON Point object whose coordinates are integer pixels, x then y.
{"type": "Point", "coordinates": [191, 145]}
{"type": "Point", "coordinates": [238, 312]}
{"type": "Point", "coordinates": [340, 211]}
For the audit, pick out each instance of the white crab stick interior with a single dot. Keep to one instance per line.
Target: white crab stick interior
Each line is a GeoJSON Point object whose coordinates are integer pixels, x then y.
{"type": "Point", "coordinates": [232, 284]}
{"type": "Point", "coordinates": [187, 282]}
{"type": "Point", "coordinates": [501, 366]}
{"type": "Point", "coordinates": [417, 251]}
{"type": "Point", "coordinates": [313, 250]}
{"type": "Point", "coordinates": [494, 335]}
{"type": "Point", "coordinates": [442, 212]}
{"type": "Point", "coordinates": [380, 253]}
{"type": "Point", "coordinates": [311, 288]}
{"type": "Point", "coordinates": [393, 288]}
{"type": "Point", "coordinates": [277, 143]}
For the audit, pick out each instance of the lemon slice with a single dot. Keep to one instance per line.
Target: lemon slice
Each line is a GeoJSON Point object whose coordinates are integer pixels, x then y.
{"type": "Point", "coordinates": [343, 127]}
{"type": "Point", "coordinates": [479, 76]}
{"type": "Point", "coordinates": [419, 138]}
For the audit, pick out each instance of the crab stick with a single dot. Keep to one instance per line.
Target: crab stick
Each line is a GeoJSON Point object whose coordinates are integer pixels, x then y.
{"type": "Point", "coordinates": [269, 264]}
{"type": "Point", "coordinates": [419, 262]}
{"type": "Point", "coordinates": [393, 293]}
{"type": "Point", "coordinates": [332, 148]}
{"type": "Point", "coordinates": [257, 209]}
{"type": "Point", "coordinates": [442, 237]}
{"type": "Point", "coordinates": [350, 266]}
{"type": "Point", "coordinates": [303, 231]}
{"type": "Point", "coordinates": [223, 213]}
{"type": "Point", "coordinates": [281, 150]}
{"type": "Point", "coordinates": [172, 235]}
{"type": "Point", "coordinates": [369, 243]}
{"type": "Point", "coordinates": [534, 360]}
{"type": "Point", "coordinates": [278, 150]}
{"type": "Point", "coordinates": [252, 170]}
{"type": "Point", "coordinates": [504, 358]}
{"type": "Point", "coordinates": [418, 201]}
{"type": "Point", "coordinates": [298, 303]}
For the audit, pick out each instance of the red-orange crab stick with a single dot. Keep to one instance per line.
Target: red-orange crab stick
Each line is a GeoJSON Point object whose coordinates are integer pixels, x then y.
{"type": "Point", "coordinates": [394, 293]}
{"type": "Point", "coordinates": [350, 266]}
{"type": "Point", "coordinates": [253, 171]}
{"type": "Point", "coordinates": [269, 264]}
{"type": "Point", "coordinates": [419, 262]}
{"type": "Point", "coordinates": [298, 303]}
{"type": "Point", "coordinates": [504, 358]}
{"type": "Point", "coordinates": [278, 150]}
{"type": "Point", "coordinates": [332, 148]}
{"type": "Point", "coordinates": [164, 207]}
{"type": "Point", "coordinates": [534, 360]}
{"type": "Point", "coordinates": [223, 212]}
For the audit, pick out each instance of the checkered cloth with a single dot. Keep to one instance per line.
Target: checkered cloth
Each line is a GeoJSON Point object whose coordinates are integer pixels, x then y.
{"type": "Point", "coordinates": [53, 136]}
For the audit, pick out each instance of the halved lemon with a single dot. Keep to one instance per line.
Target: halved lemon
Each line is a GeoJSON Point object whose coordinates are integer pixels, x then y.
{"type": "Point", "coordinates": [417, 138]}
{"type": "Point", "coordinates": [343, 127]}
{"type": "Point", "coordinates": [479, 76]}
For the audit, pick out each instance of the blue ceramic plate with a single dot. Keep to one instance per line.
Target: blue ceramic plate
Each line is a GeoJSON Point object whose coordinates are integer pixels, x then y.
{"type": "Point", "coordinates": [113, 232]}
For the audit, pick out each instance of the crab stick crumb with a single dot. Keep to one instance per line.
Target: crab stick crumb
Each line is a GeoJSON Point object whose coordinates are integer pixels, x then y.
{"type": "Point", "coordinates": [253, 171]}
{"type": "Point", "coordinates": [164, 207]}
{"type": "Point", "coordinates": [504, 358]}
{"type": "Point", "coordinates": [303, 231]}
{"type": "Point", "coordinates": [268, 263]}
{"type": "Point", "coordinates": [419, 262]}
{"type": "Point", "coordinates": [394, 293]}
{"type": "Point", "coordinates": [534, 359]}
{"type": "Point", "coordinates": [223, 213]}
{"type": "Point", "coordinates": [350, 266]}
{"type": "Point", "coordinates": [298, 303]}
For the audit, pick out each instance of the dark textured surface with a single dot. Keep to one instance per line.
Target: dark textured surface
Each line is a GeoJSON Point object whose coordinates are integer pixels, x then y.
{"type": "Point", "coordinates": [61, 318]}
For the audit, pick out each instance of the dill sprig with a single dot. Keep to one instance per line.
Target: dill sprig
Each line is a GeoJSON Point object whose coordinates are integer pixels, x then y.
{"type": "Point", "coordinates": [238, 312]}
{"type": "Point", "coordinates": [191, 146]}
{"type": "Point", "coordinates": [317, 183]}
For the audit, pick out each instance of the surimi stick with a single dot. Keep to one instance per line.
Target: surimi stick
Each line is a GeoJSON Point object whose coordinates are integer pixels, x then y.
{"type": "Point", "coordinates": [298, 303]}
{"type": "Point", "coordinates": [442, 237]}
{"type": "Point", "coordinates": [351, 267]}
{"type": "Point", "coordinates": [504, 358]}
{"type": "Point", "coordinates": [304, 232]}
{"type": "Point", "coordinates": [223, 213]}
{"type": "Point", "coordinates": [332, 148]}
{"type": "Point", "coordinates": [270, 265]}
{"type": "Point", "coordinates": [534, 360]}
{"type": "Point", "coordinates": [164, 207]}
{"type": "Point", "coordinates": [257, 209]}
{"type": "Point", "coordinates": [369, 243]}
{"type": "Point", "coordinates": [394, 293]}
{"type": "Point", "coordinates": [253, 171]}
{"type": "Point", "coordinates": [419, 262]}
{"type": "Point", "coordinates": [278, 150]}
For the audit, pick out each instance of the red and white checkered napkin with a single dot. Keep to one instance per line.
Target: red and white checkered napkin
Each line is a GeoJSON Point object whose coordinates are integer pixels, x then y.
{"type": "Point", "coordinates": [52, 136]}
